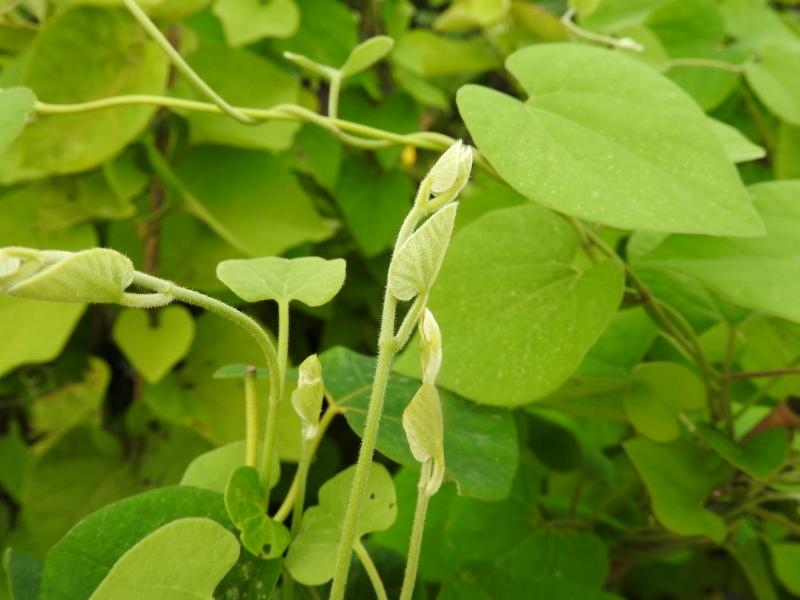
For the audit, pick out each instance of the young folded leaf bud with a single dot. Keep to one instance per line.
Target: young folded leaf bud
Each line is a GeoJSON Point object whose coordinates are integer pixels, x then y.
{"type": "Point", "coordinates": [451, 172]}
{"type": "Point", "coordinates": [307, 398]}
{"type": "Point", "coordinates": [424, 427]}
{"type": "Point", "coordinates": [430, 347]}
{"type": "Point", "coordinates": [416, 263]}
{"type": "Point", "coordinates": [98, 275]}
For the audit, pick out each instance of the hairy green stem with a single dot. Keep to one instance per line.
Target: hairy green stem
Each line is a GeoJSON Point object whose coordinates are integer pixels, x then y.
{"type": "Point", "coordinates": [387, 348]}
{"type": "Point", "coordinates": [372, 571]}
{"type": "Point", "coordinates": [279, 384]}
{"type": "Point", "coordinates": [286, 508]}
{"type": "Point", "coordinates": [368, 441]}
{"type": "Point", "coordinates": [251, 417]}
{"type": "Point", "coordinates": [417, 529]}
{"type": "Point", "coordinates": [241, 320]}
{"type": "Point", "coordinates": [181, 64]}
{"type": "Point", "coordinates": [301, 477]}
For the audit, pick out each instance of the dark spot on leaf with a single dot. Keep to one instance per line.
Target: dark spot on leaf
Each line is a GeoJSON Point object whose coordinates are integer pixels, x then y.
{"type": "Point", "coordinates": [266, 549]}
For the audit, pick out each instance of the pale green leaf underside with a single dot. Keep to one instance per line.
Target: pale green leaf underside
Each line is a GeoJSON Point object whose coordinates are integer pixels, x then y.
{"type": "Point", "coordinates": [762, 273]}
{"type": "Point", "coordinates": [417, 262]}
{"type": "Point", "coordinates": [310, 279]}
{"type": "Point", "coordinates": [605, 138]}
{"type": "Point", "coordinates": [152, 568]}
{"type": "Point", "coordinates": [516, 315]}
{"type": "Point", "coordinates": [312, 555]}
{"type": "Point", "coordinates": [97, 275]}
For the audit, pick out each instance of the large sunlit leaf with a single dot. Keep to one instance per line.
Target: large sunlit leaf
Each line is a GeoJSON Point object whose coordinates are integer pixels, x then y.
{"type": "Point", "coordinates": [78, 563]}
{"type": "Point", "coordinates": [605, 138]}
{"type": "Point", "coordinates": [149, 569]}
{"type": "Point", "coordinates": [85, 53]}
{"type": "Point", "coordinates": [761, 273]}
{"type": "Point", "coordinates": [515, 309]}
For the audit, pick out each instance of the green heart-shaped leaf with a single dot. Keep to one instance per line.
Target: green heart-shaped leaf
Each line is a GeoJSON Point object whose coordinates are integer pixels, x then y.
{"type": "Point", "coordinates": [513, 307]}
{"type": "Point", "coordinates": [657, 393]}
{"type": "Point", "coordinates": [679, 477]}
{"type": "Point", "coordinates": [310, 279]}
{"type": "Point", "coordinates": [605, 138]}
{"type": "Point", "coordinates": [149, 569]}
{"type": "Point", "coordinates": [480, 442]}
{"type": "Point", "coordinates": [312, 555]}
{"type": "Point", "coordinates": [212, 470]}
{"type": "Point", "coordinates": [244, 500]}
{"type": "Point", "coordinates": [247, 21]}
{"type": "Point", "coordinates": [154, 348]}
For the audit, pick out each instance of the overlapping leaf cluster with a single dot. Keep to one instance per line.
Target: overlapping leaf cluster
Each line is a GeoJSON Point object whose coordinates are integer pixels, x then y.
{"type": "Point", "coordinates": [619, 304]}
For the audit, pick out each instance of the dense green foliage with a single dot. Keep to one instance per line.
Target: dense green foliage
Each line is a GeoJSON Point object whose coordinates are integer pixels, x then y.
{"type": "Point", "coordinates": [588, 366]}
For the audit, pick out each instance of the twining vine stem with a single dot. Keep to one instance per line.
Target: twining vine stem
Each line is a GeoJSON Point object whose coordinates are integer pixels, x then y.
{"type": "Point", "coordinates": [418, 528]}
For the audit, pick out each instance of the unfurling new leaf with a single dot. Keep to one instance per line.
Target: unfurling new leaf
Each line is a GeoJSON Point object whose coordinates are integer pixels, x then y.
{"type": "Point", "coordinates": [417, 262]}
{"type": "Point", "coordinates": [430, 347]}
{"type": "Point", "coordinates": [307, 397]}
{"type": "Point", "coordinates": [424, 427]}
{"type": "Point", "coordinates": [98, 275]}
{"type": "Point", "coordinates": [450, 173]}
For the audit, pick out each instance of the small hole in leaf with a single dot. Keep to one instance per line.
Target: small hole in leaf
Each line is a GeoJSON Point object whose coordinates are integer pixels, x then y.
{"type": "Point", "coordinates": [372, 496]}
{"type": "Point", "coordinates": [266, 548]}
